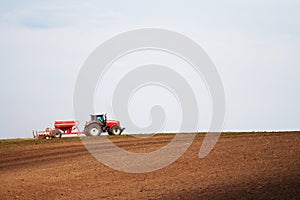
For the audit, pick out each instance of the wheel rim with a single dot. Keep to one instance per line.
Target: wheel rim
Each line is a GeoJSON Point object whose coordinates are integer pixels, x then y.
{"type": "Point", "coordinates": [94, 131]}
{"type": "Point", "coordinates": [116, 131]}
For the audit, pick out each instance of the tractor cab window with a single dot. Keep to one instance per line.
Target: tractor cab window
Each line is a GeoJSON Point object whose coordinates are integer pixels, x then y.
{"type": "Point", "coordinates": [100, 119]}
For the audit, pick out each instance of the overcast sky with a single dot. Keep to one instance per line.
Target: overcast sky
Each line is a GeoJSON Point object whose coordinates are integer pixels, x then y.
{"type": "Point", "coordinates": [254, 44]}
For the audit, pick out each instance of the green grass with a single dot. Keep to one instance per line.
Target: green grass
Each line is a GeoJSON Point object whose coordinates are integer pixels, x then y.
{"type": "Point", "coordinates": [120, 136]}
{"type": "Point", "coordinates": [35, 141]}
{"type": "Point", "coordinates": [76, 138]}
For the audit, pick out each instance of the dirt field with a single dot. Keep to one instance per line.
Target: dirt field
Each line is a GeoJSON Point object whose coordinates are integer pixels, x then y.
{"type": "Point", "coordinates": [241, 166]}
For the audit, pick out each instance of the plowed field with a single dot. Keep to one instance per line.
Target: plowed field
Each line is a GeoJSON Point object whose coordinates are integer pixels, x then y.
{"type": "Point", "coordinates": [241, 166]}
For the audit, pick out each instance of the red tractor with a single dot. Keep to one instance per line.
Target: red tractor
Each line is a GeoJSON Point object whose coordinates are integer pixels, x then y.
{"type": "Point", "coordinates": [99, 124]}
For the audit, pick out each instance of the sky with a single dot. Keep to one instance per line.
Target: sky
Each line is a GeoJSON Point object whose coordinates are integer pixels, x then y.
{"type": "Point", "coordinates": [254, 45]}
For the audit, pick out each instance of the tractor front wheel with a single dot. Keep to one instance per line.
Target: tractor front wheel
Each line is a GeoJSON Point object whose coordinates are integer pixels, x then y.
{"type": "Point", "coordinates": [115, 130]}
{"type": "Point", "coordinates": [92, 129]}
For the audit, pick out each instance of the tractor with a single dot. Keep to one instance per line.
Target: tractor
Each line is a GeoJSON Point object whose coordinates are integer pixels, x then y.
{"type": "Point", "coordinates": [99, 124]}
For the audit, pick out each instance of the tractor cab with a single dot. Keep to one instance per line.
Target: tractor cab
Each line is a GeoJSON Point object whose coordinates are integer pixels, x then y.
{"type": "Point", "coordinates": [100, 118]}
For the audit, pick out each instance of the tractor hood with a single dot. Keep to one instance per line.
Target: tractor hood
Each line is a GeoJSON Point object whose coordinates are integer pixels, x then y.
{"type": "Point", "coordinates": [111, 123]}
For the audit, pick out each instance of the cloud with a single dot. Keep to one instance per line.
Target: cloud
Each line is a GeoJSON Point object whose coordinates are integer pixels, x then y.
{"type": "Point", "coordinates": [58, 16]}
{"type": "Point", "coordinates": [255, 47]}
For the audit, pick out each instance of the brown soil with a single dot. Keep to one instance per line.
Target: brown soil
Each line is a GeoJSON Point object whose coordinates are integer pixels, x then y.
{"type": "Point", "coordinates": [241, 166]}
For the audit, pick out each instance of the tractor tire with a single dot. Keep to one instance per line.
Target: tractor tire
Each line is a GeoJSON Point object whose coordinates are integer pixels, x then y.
{"type": "Point", "coordinates": [115, 130]}
{"type": "Point", "coordinates": [57, 133]}
{"type": "Point", "coordinates": [93, 129]}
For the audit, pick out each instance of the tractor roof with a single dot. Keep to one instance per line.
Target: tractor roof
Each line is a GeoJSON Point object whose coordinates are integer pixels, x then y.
{"type": "Point", "coordinates": [97, 114]}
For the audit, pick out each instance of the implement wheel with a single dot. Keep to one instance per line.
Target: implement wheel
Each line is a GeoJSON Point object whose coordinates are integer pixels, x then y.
{"type": "Point", "coordinates": [57, 133]}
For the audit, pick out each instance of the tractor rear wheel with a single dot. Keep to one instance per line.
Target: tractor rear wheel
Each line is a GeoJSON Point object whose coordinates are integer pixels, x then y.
{"type": "Point", "coordinates": [115, 130]}
{"type": "Point", "coordinates": [93, 129]}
